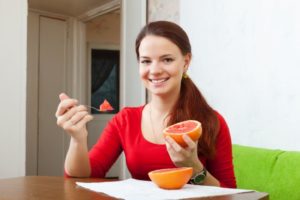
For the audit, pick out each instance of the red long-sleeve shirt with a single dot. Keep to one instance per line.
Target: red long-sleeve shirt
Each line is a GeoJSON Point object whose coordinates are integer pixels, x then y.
{"type": "Point", "coordinates": [123, 133]}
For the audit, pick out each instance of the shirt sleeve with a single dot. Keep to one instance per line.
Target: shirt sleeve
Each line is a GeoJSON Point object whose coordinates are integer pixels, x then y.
{"type": "Point", "coordinates": [221, 167]}
{"type": "Point", "coordinates": [107, 149]}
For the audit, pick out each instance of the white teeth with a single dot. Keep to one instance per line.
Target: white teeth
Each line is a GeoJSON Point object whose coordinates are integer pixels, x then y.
{"type": "Point", "coordinates": [158, 80]}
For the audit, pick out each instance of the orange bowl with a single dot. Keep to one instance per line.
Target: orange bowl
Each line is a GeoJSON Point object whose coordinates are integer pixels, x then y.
{"type": "Point", "coordinates": [171, 178]}
{"type": "Point", "coordinates": [190, 127]}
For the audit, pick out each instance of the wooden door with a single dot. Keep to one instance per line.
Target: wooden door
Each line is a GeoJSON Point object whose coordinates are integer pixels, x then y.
{"type": "Point", "coordinates": [51, 81]}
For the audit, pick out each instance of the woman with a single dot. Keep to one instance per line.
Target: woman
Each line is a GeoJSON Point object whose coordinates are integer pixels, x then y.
{"type": "Point", "coordinates": [164, 54]}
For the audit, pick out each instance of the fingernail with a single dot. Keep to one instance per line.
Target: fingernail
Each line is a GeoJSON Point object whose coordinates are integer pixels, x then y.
{"type": "Point", "coordinates": [167, 138]}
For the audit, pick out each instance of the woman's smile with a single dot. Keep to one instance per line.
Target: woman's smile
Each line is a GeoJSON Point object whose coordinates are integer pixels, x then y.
{"type": "Point", "coordinates": [158, 81]}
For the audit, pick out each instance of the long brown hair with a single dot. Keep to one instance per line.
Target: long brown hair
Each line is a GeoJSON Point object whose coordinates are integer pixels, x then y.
{"type": "Point", "coordinates": [191, 104]}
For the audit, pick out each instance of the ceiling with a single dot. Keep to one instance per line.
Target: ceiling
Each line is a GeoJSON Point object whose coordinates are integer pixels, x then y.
{"type": "Point", "coordinates": [66, 7]}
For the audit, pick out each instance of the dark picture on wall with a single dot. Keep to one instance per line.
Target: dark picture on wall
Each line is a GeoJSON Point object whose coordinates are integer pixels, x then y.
{"type": "Point", "coordinates": [105, 66]}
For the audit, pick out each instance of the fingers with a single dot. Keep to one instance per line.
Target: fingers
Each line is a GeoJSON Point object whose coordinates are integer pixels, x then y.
{"type": "Point", "coordinates": [72, 116]}
{"type": "Point", "coordinates": [179, 155]}
{"type": "Point", "coordinates": [64, 106]}
{"type": "Point", "coordinates": [85, 120]}
{"type": "Point", "coordinates": [78, 121]}
{"type": "Point", "coordinates": [183, 156]}
{"type": "Point", "coordinates": [173, 145]}
{"type": "Point", "coordinates": [191, 144]}
{"type": "Point", "coordinates": [63, 96]}
{"type": "Point", "coordinates": [78, 117]}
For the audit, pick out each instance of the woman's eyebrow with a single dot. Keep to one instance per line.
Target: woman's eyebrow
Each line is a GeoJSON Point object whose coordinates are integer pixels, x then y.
{"type": "Point", "coordinates": [163, 56]}
{"type": "Point", "coordinates": [144, 57]}
{"type": "Point", "coordinates": [166, 55]}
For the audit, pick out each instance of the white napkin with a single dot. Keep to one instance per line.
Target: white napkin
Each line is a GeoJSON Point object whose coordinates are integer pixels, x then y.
{"type": "Point", "coordinates": [133, 189]}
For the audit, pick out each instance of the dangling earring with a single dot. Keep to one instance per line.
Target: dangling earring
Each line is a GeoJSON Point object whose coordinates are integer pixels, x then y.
{"type": "Point", "coordinates": [184, 75]}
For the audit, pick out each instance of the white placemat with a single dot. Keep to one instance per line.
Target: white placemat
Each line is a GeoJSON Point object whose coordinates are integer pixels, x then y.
{"type": "Point", "coordinates": [132, 189]}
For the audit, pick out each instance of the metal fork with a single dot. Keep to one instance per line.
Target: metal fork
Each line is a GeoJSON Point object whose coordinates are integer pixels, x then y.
{"type": "Point", "coordinates": [91, 107]}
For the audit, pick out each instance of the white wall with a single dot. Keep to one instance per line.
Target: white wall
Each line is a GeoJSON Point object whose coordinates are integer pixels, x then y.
{"type": "Point", "coordinates": [247, 63]}
{"type": "Point", "coordinates": [13, 23]}
{"type": "Point", "coordinates": [163, 10]}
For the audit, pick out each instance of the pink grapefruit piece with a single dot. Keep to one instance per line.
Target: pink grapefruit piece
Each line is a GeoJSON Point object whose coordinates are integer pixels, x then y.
{"type": "Point", "coordinates": [192, 128]}
{"type": "Point", "coordinates": [105, 106]}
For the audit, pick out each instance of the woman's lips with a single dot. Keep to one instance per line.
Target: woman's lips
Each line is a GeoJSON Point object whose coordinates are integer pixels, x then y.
{"type": "Point", "coordinates": [158, 82]}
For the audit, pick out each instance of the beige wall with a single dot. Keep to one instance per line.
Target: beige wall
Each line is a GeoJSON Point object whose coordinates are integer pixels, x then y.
{"type": "Point", "coordinates": [13, 23]}
{"type": "Point", "coordinates": [104, 29]}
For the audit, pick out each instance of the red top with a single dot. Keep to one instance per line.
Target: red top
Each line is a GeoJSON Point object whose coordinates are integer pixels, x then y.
{"type": "Point", "coordinates": [123, 133]}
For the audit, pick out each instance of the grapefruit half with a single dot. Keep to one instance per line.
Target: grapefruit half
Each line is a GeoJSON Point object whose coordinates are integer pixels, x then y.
{"type": "Point", "coordinates": [171, 178]}
{"type": "Point", "coordinates": [191, 128]}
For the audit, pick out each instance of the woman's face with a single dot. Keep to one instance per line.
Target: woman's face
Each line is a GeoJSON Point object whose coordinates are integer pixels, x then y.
{"type": "Point", "coordinates": [161, 65]}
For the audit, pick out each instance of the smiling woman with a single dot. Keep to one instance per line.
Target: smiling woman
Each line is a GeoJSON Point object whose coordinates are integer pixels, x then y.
{"type": "Point", "coordinates": [164, 53]}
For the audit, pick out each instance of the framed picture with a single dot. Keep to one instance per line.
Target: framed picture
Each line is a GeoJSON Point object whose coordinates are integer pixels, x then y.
{"type": "Point", "coordinates": [104, 81]}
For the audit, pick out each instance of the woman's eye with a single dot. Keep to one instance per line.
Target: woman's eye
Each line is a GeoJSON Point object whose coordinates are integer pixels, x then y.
{"type": "Point", "coordinates": [145, 62]}
{"type": "Point", "coordinates": [168, 60]}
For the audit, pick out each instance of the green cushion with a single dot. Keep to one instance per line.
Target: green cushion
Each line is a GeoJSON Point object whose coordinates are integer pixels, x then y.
{"type": "Point", "coordinates": [276, 172]}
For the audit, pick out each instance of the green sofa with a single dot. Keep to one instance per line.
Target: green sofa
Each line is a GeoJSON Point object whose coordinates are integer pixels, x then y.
{"type": "Point", "coordinates": [276, 172]}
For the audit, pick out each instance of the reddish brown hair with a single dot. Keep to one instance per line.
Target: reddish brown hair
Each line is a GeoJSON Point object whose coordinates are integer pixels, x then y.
{"type": "Point", "coordinates": [191, 104]}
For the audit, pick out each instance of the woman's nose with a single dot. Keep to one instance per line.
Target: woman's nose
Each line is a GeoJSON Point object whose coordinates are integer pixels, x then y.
{"type": "Point", "coordinates": [155, 68]}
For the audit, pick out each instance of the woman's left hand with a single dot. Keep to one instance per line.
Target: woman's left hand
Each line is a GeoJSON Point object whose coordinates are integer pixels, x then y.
{"type": "Point", "coordinates": [183, 157]}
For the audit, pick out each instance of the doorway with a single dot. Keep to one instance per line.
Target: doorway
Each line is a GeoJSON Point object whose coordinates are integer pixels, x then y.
{"type": "Point", "coordinates": [103, 36]}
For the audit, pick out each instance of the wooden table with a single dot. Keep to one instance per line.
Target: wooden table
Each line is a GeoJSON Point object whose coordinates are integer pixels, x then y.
{"type": "Point", "coordinates": [57, 188]}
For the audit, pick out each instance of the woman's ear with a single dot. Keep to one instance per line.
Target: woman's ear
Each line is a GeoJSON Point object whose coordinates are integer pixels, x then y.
{"type": "Point", "coordinates": [187, 60]}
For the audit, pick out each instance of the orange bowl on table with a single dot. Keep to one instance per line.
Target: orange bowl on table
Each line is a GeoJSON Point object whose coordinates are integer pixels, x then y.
{"type": "Point", "coordinates": [171, 178]}
{"type": "Point", "coordinates": [192, 128]}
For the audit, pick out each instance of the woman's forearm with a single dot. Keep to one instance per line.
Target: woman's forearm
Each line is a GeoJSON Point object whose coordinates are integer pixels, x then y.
{"type": "Point", "coordinates": [77, 161]}
{"type": "Point", "coordinates": [209, 179]}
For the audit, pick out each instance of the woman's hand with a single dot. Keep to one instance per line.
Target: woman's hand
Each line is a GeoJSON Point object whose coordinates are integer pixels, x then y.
{"type": "Point", "coordinates": [184, 157]}
{"type": "Point", "coordinates": [188, 157]}
{"type": "Point", "coordinates": [72, 117]}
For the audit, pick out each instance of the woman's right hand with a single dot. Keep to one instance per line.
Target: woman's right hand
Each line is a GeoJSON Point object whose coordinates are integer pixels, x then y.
{"type": "Point", "coordinates": [72, 117]}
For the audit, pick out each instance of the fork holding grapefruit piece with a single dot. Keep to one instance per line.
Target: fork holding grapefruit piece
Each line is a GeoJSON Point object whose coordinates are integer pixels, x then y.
{"type": "Point", "coordinates": [192, 128]}
{"type": "Point", "coordinates": [105, 106]}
